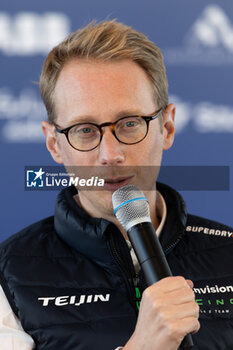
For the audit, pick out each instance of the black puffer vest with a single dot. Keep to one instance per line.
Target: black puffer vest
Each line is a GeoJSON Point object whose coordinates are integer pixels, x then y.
{"type": "Point", "coordinates": [71, 281]}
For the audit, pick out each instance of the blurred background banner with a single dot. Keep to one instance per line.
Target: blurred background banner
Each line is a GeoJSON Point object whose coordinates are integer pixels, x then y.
{"type": "Point", "coordinates": [196, 39]}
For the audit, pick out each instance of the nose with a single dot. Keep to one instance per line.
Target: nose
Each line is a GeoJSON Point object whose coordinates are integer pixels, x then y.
{"type": "Point", "coordinates": [110, 149]}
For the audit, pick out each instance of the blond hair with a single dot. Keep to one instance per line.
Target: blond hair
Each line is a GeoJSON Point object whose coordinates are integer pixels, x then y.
{"type": "Point", "coordinates": [106, 41]}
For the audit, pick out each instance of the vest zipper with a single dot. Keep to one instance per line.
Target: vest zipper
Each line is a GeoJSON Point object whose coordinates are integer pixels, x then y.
{"type": "Point", "coordinates": [172, 245]}
{"type": "Point", "coordinates": [132, 281]}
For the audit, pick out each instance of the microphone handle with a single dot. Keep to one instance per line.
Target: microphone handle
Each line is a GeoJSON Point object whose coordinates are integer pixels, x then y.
{"type": "Point", "coordinates": [152, 259]}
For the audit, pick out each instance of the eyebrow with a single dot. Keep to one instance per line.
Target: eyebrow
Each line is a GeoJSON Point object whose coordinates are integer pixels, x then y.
{"type": "Point", "coordinates": [91, 119]}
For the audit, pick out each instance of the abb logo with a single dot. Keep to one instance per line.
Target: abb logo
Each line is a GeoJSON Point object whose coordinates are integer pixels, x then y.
{"type": "Point", "coordinates": [29, 33]}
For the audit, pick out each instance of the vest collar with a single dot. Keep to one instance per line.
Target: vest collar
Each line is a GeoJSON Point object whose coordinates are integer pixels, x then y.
{"type": "Point", "coordinates": [82, 232]}
{"type": "Point", "coordinates": [176, 220]}
{"type": "Point", "coordinates": [89, 235]}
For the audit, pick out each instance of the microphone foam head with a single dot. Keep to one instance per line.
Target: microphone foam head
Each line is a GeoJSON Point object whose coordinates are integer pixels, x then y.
{"type": "Point", "coordinates": [131, 207]}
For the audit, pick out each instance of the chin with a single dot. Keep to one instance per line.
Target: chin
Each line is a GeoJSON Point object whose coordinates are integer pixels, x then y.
{"type": "Point", "coordinates": [97, 203]}
{"type": "Point", "coordinates": [106, 201]}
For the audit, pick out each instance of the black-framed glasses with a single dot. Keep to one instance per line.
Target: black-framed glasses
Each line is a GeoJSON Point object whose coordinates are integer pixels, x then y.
{"type": "Point", "coordinates": [129, 130]}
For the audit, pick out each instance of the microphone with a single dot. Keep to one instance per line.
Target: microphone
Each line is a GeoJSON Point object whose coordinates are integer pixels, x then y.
{"type": "Point", "coordinates": [131, 208]}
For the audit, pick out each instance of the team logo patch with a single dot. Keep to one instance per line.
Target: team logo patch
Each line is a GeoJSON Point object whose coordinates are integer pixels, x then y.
{"type": "Point", "coordinates": [215, 298]}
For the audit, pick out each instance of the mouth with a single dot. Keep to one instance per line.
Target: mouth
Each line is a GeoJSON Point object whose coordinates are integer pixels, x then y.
{"type": "Point", "coordinates": [112, 184]}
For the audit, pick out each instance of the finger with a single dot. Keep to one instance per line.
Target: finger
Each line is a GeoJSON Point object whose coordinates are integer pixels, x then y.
{"type": "Point", "coordinates": [170, 284]}
{"type": "Point", "coordinates": [185, 310]}
{"type": "Point", "coordinates": [180, 296]}
{"type": "Point", "coordinates": [175, 297]}
{"type": "Point", "coordinates": [190, 283]}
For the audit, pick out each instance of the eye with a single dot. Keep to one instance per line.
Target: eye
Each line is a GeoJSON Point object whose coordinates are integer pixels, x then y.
{"type": "Point", "coordinates": [129, 124]}
{"type": "Point", "coordinates": [84, 130]}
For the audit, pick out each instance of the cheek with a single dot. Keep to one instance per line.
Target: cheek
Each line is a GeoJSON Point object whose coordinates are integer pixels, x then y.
{"type": "Point", "coordinates": [150, 152]}
{"type": "Point", "coordinates": [156, 151]}
{"type": "Point", "coordinates": [72, 157]}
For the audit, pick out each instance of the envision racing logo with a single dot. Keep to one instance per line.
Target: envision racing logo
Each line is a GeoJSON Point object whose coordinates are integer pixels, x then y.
{"type": "Point", "coordinates": [214, 289]}
{"type": "Point", "coordinates": [74, 300]}
{"type": "Point", "coordinates": [215, 299]}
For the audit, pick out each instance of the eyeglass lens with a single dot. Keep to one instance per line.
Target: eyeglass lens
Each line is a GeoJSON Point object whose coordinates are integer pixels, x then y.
{"type": "Point", "coordinates": [128, 130]}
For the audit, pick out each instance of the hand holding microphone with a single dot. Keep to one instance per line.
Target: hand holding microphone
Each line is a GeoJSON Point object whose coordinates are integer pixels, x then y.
{"type": "Point", "coordinates": [168, 311]}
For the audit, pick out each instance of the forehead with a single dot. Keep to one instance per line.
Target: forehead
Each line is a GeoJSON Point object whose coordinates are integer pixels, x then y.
{"type": "Point", "coordinates": [90, 87]}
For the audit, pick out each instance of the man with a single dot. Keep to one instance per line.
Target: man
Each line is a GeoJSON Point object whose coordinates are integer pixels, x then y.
{"type": "Point", "coordinates": [70, 279]}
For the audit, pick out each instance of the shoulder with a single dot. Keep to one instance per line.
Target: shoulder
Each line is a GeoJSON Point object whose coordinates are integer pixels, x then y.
{"type": "Point", "coordinates": [203, 234]}
{"type": "Point", "coordinates": [28, 238]}
{"type": "Point", "coordinates": [205, 251]}
{"type": "Point", "coordinates": [208, 227]}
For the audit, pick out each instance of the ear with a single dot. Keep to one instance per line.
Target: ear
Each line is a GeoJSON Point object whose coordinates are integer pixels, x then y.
{"type": "Point", "coordinates": [51, 141]}
{"type": "Point", "coordinates": [169, 126]}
